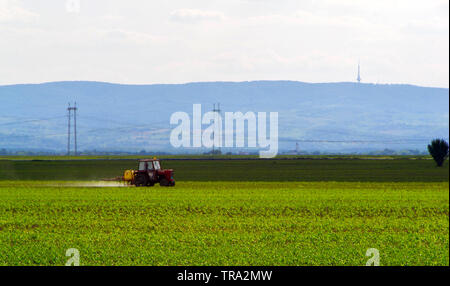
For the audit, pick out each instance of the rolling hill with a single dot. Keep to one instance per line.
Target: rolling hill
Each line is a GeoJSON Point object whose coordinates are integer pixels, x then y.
{"type": "Point", "coordinates": [341, 117]}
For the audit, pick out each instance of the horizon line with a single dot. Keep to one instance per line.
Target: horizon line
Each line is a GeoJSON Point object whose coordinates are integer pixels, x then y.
{"type": "Point", "coordinates": [218, 81]}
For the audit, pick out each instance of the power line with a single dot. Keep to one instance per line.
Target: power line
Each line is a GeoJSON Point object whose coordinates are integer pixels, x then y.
{"type": "Point", "coordinates": [106, 120]}
{"type": "Point", "coordinates": [399, 141]}
{"type": "Point", "coordinates": [30, 120]}
{"type": "Point", "coordinates": [124, 125]}
{"type": "Point", "coordinates": [360, 141]}
{"type": "Point", "coordinates": [217, 112]}
{"type": "Point", "coordinates": [151, 127]}
{"type": "Point", "coordinates": [122, 128]}
{"type": "Point", "coordinates": [70, 109]}
{"type": "Point", "coordinates": [40, 136]}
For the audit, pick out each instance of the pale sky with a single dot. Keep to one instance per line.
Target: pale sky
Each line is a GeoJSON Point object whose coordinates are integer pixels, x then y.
{"type": "Point", "coordinates": [178, 41]}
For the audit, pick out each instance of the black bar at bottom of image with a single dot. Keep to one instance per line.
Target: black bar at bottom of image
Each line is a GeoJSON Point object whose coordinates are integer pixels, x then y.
{"type": "Point", "coordinates": [208, 275]}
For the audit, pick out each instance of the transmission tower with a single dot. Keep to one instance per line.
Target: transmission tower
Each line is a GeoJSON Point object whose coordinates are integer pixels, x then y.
{"type": "Point", "coordinates": [70, 109]}
{"type": "Point", "coordinates": [359, 73]}
{"type": "Point", "coordinates": [217, 110]}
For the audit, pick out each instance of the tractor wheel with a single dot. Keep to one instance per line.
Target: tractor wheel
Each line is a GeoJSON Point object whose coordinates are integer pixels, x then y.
{"type": "Point", "coordinates": [164, 182]}
{"type": "Point", "coordinates": [140, 180]}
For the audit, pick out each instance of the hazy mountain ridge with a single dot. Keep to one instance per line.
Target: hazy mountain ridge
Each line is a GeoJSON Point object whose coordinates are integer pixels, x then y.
{"type": "Point", "coordinates": [117, 116]}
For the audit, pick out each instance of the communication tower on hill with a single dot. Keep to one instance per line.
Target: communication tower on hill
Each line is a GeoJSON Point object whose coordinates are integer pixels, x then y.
{"type": "Point", "coordinates": [359, 73]}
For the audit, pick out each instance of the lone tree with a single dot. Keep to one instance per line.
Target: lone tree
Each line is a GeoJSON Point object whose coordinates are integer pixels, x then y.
{"type": "Point", "coordinates": [438, 150]}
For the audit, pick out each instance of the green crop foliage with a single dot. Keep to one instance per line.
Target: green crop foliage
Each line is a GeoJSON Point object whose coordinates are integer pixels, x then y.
{"type": "Point", "coordinates": [345, 169]}
{"type": "Point", "coordinates": [225, 223]}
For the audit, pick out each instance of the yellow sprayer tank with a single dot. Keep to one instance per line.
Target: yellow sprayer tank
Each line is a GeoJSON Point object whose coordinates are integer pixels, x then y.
{"type": "Point", "coordinates": [128, 175]}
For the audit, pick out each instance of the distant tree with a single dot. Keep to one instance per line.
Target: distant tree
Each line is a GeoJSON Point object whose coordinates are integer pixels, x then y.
{"type": "Point", "coordinates": [439, 151]}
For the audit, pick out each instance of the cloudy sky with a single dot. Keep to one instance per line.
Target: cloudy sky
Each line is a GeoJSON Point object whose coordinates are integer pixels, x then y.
{"type": "Point", "coordinates": [142, 41]}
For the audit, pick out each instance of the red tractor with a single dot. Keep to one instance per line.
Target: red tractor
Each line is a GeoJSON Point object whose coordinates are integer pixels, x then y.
{"type": "Point", "coordinates": [148, 174]}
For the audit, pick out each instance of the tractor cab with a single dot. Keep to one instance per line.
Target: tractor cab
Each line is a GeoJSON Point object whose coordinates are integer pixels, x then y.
{"type": "Point", "coordinates": [149, 165]}
{"type": "Point", "coordinates": [149, 173]}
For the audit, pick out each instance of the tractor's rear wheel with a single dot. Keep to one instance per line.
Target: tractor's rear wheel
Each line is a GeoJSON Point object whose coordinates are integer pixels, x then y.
{"type": "Point", "coordinates": [140, 180]}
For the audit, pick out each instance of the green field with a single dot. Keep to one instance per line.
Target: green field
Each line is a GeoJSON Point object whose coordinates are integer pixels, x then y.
{"type": "Point", "coordinates": [299, 170]}
{"type": "Point", "coordinates": [264, 212]}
